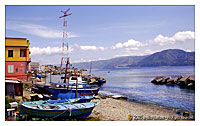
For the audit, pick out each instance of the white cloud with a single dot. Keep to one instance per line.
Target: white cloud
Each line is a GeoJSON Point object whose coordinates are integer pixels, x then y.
{"type": "Point", "coordinates": [87, 60]}
{"type": "Point", "coordinates": [58, 50]}
{"type": "Point", "coordinates": [187, 50]}
{"type": "Point", "coordinates": [101, 58]}
{"type": "Point", "coordinates": [128, 48]}
{"type": "Point", "coordinates": [131, 49]}
{"type": "Point", "coordinates": [119, 45]}
{"type": "Point", "coordinates": [129, 45]}
{"type": "Point", "coordinates": [139, 52]}
{"type": "Point", "coordinates": [120, 55]}
{"type": "Point", "coordinates": [161, 40]}
{"type": "Point", "coordinates": [178, 37]}
{"type": "Point", "coordinates": [101, 48]}
{"type": "Point", "coordinates": [183, 36]}
{"type": "Point", "coordinates": [37, 30]}
{"type": "Point", "coordinates": [16, 18]}
{"type": "Point", "coordinates": [132, 43]}
{"type": "Point", "coordinates": [81, 60]}
{"type": "Point", "coordinates": [48, 50]}
{"type": "Point", "coordinates": [92, 48]}
{"type": "Point", "coordinates": [149, 51]}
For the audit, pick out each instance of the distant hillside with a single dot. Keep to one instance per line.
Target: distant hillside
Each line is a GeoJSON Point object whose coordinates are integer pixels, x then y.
{"type": "Point", "coordinates": [124, 61]}
{"type": "Point", "coordinates": [171, 57]}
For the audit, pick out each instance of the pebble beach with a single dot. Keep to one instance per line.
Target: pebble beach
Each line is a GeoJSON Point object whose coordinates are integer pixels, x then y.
{"type": "Point", "coordinates": [110, 109]}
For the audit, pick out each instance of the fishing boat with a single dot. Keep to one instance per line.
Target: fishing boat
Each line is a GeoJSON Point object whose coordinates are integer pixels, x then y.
{"type": "Point", "coordinates": [63, 91]}
{"type": "Point", "coordinates": [69, 89]}
{"type": "Point", "coordinates": [82, 89]}
{"type": "Point", "coordinates": [57, 110]}
{"type": "Point", "coordinates": [76, 79]}
{"type": "Point", "coordinates": [64, 101]}
{"type": "Point", "coordinates": [82, 99]}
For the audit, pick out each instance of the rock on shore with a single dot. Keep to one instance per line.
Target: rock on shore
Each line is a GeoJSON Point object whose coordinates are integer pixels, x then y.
{"type": "Point", "coordinates": [184, 82]}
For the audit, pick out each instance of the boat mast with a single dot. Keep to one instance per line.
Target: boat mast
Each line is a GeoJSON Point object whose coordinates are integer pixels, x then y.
{"type": "Point", "coordinates": [90, 67]}
{"type": "Point", "coordinates": [66, 59]}
{"type": "Point", "coordinates": [76, 82]}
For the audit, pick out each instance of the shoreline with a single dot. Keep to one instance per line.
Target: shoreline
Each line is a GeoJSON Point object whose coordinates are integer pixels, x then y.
{"type": "Point", "coordinates": [161, 106]}
{"type": "Point", "coordinates": [132, 100]}
{"type": "Point", "coordinates": [110, 109]}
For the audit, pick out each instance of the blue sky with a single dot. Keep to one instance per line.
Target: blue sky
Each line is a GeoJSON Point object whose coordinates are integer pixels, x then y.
{"type": "Point", "coordinates": [101, 32]}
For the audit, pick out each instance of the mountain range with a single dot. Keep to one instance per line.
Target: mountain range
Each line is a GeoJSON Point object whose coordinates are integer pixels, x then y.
{"type": "Point", "coordinates": [170, 57]}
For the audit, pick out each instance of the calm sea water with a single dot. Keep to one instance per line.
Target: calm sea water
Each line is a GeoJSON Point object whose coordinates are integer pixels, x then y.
{"type": "Point", "coordinates": [135, 83]}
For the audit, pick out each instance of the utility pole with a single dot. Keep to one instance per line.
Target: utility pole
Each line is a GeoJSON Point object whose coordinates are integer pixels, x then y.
{"type": "Point", "coordinates": [66, 59]}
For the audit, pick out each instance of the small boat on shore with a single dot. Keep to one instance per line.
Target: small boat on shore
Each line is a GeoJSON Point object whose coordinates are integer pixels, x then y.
{"type": "Point", "coordinates": [57, 110]}
{"type": "Point", "coordinates": [82, 99]}
{"type": "Point", "coordinates": [63, 101]}
{"type": "Point", "coordinates": [119, 97]}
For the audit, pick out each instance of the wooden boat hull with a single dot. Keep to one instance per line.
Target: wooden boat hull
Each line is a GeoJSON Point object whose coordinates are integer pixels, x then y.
{"type": "Point", "coordinates": [82, 92]}
{"type": "Point", "coordinates": [79, 113]}
{"type": "Point", "coordinates": [57, 113]}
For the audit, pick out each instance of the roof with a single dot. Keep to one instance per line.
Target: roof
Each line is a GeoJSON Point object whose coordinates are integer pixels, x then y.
{"type": "Point", "coordinates": [16, 38]}
{"type": "Point", "coordinates": [12, 78]}
{"type": "Point", "coordinates": [34, 63]}
{"type": "Point", "coordinates": [12, 81]}
{"type": "Point", "coordinates": [16, 42]}
{"type": "Point", "coordinates": [10, 110]}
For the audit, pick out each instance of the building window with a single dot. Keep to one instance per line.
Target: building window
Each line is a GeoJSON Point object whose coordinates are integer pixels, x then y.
{"type": "Point", "coordinates": [10, 53]}
{"type": "Point", "coordinates": [10, 68]}
{"type": "Point", "coordinates": [21, 70]}
{"type": "Point", "coordinates": [26, 68]}
{"type": "Point", "coordinates": [22, 53]}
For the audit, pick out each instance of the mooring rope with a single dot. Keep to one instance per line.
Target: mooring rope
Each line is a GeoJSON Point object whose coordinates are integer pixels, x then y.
{"type": "Point", "coordinates": [68, 109]}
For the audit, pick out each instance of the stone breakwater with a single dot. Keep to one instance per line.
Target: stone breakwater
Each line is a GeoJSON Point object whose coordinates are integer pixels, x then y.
{"type": "Point", "coordinates": [183, 81]}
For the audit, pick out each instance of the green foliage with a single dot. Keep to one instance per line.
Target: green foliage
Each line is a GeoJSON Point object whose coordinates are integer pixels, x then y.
{"type": "Point", "coordinates": [17, 118]}
{"type": "Point", "coordinates": [25, 86]}
{"type": "Point", "coordinates": [7, 101]}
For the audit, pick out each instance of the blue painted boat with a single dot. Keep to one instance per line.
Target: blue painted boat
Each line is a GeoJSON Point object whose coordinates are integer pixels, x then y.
{"type": "Point", "coordinates": [63, 101]}
{"type": "Point", "coordinates": [57, 110]}
{"type": "Point", "coordinates": [55, 89]}
{"type": "Point", "coordinates": [82, 99]}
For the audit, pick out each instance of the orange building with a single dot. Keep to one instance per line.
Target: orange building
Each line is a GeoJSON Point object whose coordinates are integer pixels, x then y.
{"type": "Point", "coordinates": [17, 58]}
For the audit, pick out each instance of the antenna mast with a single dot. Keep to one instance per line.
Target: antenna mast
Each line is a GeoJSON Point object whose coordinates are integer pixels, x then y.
{"type": "Point", "coordinates": [65, 59]}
